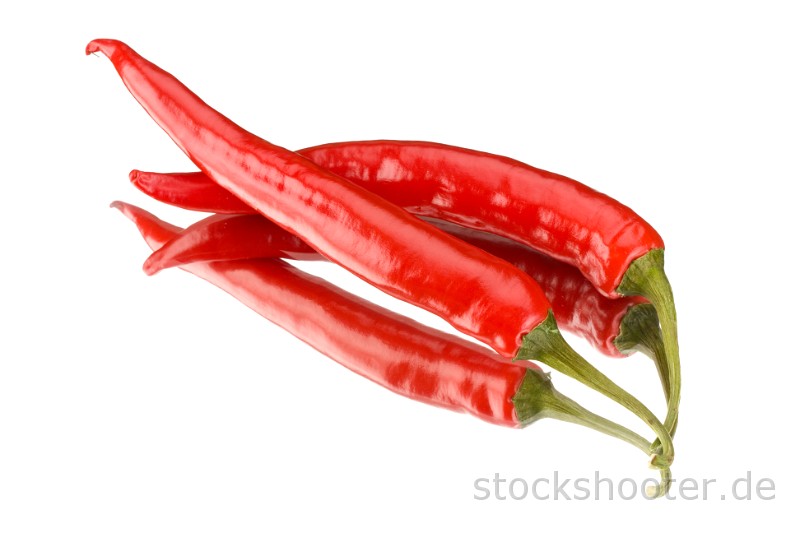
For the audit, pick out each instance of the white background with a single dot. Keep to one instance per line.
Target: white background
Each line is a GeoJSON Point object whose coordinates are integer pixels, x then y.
{"type": "Point", "coordinates": [130, 403]}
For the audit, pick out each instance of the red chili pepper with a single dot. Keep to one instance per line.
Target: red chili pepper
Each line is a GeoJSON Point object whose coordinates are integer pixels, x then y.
{"type": "Point", "coordinates": [616, 327]}
{"type": "Point", "coordinates": [191, 190]}
{"type": "Point", "coordinates": [619, 252]}
{"type": "Point", "coordinates": [478, 294]}
{"type": "Point", "coordinates": [396, 352]}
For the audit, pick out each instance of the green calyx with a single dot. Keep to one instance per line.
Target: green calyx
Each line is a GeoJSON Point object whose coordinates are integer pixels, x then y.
{"type": "Point", "coordinates": [546, 345]}
{"type": "Point", "coordinates": [537, 398]}
{"type": "Point", "coordinates": [646, 277]}
{"type": "Point", "coordinates": [639, 332]}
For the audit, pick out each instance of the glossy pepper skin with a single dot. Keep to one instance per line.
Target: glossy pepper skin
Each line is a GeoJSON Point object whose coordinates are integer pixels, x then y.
{"type": "Point", "coordinates": [553, 214]}
{"type": "Point", "coordinates": [608, 324]}
{"type": "Point", "coordinates": [394, 351]}
{"type": "Point", "coordinates": [477, 293]}
{"type": "Point", "coordinates": [577, 305]}
{"type": "Point", "coordinates": [556, 215]}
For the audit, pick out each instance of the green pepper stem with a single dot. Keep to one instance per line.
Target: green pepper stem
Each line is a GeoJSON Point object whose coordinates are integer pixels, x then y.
{"type": "Point", "coordinates": [639, 332]}
{"type": "Point", "coordinates": [646, 277]}
{"type": "Point", "coordinates": [536, 398]}
{"type": "Point", "coordinates": [546, 345]}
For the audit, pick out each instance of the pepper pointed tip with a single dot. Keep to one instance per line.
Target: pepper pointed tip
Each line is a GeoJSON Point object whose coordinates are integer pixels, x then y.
{"type": "Point", "coordinates": [126, 209]}
{"type": "Point", "coordinates": [93, 47]}
{"type": "Point", "coordinates": [104, 46]}
{"type": "Point", "coordinates": [150, 266]}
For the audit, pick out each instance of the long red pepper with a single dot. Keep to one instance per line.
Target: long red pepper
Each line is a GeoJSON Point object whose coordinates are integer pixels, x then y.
{"type": "Point", "coordinates": [396, 352]}
{"type": "Point", "coordinates": [614, 326]}
{"type": "Point", "coordinates": [376, 240]}
{"type": "Point", "coordinates": [617, 250]}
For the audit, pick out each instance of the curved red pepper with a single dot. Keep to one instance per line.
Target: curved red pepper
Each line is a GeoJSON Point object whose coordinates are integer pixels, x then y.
{"type": "Point", "coordinates": [396, 352]}
{"type": "Point", "coordinates": [554, 214]}
{"type": "Point", "coordinates": [189, 190]}
{"type": "Point", "coordinates": [478, 294]}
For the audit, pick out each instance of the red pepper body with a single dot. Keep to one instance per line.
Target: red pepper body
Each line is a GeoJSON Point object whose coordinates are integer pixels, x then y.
{"type": "Point", "coordinates": [577, 305]}
{"type": "Point", "coordinates": [548, 212]}
{"type": "Point", "coordinates": [551, 213]}
{"type": "Point", "coordinates": [394, 351]}
{"type": "Point", "coordinates": [376, 240]}
{"type": "Point", "coordinates": [190, 190]}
